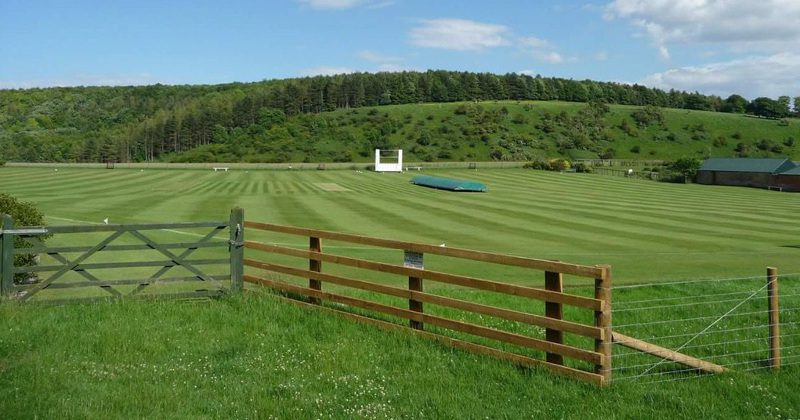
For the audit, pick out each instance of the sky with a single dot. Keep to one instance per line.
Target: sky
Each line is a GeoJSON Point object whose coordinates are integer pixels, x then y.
{"type": "Point", "coordinates": [717, 47]}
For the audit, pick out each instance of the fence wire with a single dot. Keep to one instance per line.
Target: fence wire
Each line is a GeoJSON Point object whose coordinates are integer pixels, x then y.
{"type": "Point", "coordinates": [724, 322]}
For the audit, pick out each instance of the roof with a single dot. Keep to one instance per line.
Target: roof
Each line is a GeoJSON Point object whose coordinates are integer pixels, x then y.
{"type": "Point", "coordinates": [766, 165]}
{"type": "Point", "coordinates": [794, 171]}
{"type": "Point", "coordinates": [448, 184]}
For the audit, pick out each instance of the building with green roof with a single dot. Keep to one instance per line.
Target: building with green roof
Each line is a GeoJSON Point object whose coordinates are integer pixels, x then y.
{"type": "Point", "coordinates": [789, 180]}
{"type": "Point", "coordinates": [747, 172]}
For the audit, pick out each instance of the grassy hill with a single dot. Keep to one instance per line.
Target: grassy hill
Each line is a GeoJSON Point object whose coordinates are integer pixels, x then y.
{"type": "Point", "coordinates": [503, 130]}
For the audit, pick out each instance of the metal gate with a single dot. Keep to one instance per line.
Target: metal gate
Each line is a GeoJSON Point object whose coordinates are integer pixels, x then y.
{"type": "Point", "coordinates": [82, 263]}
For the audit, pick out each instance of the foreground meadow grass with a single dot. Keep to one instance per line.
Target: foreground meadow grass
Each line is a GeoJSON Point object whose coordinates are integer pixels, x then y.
{"type": "Point", "coordinates": [258, 357]}
{"type": "Point", "coordinates": [255, 356]}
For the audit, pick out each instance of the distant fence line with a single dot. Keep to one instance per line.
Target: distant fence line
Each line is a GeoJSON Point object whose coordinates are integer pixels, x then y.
{"type": "Point", "coordinates": [620, 162]}
{"type": "Point", "coordinates": [270, 166]}
{"type": "Point", "coordinates": [648, 175]}
{"type": "Point", "coordinates": [325, 165]}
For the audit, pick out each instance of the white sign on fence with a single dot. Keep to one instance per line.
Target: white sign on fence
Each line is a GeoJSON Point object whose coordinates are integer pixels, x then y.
{"type": "Point", "coordinates": [412, 259]}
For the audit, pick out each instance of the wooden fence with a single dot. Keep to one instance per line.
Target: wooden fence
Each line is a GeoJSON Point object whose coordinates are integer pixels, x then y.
{"type": "Point", "coordinates": [77, 260]}
{"type": "Point", "coordinates": [637, 174]}
{"type": "Point", "coordinates": [276, 276]}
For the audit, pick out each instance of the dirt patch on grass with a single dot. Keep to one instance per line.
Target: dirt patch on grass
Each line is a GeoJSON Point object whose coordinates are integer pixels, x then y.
{"type": "Point", "coordinates": [330, 186]}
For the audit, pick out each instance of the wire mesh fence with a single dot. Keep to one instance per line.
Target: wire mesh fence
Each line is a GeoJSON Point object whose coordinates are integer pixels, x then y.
{"type": "Point", "coordinates": [722, 322]}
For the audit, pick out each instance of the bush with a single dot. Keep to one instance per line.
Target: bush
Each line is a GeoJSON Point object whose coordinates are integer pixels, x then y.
{"type": "Point", "coordinates": [583, 168]}
{"type": "Point", "coordinates": [519, 118]}
{"type": "Point", "coordinates": [551, 165]}
{"type": "Point", "coordinates": [24, 214]}
{"type": "Point", "coordinates": [607, 154]}
{"type": "Point", "coordinates": [648, 115]}
{"type": "Point", "coordinates": [559, 164]}
{"type": "Point", "coordinates": [763, 144]}
{"type": "Point", "coordinates": [683, 169]}
{"type": "Point", "coordinates": [636, 149]}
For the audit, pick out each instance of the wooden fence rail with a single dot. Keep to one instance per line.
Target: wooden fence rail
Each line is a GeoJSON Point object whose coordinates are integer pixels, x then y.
{"type": "Point", "coordinates": [552, 295]}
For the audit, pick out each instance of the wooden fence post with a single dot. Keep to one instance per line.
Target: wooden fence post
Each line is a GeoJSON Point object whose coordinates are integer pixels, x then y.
{"type": "Point", "coordinates": [236, 228]}
{"type": "Point", "coordinates": [554, 282]}
{"type": "Point", "coordinates": [602, 319]}
{"type": "Point", "coordinates": [315, 244]}
{"type": "Point", "coordinates": [415, 283]}
{"type": "Point", "coordinates": [774, 319]}
{"type": "Point", "coordinates": [7, 257]}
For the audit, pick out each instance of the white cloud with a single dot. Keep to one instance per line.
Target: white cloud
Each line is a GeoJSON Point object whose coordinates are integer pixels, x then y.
{"type": "Point", "coordinates": [459, 35]}
{"type": "Point", "coordinates": [534, 42]}
{"type": "Point", "coordinates": [739, 24]}
{"type": "Point", "coordinates": [753, 76]}
{"type": "Point", "coordinates": [327, 71]}
{"type": "Point", "coordinates": [85, 79]}
{"type": "Point", "coordinates": [334, 70]}
{"type": "Point", "coordinates": [663, 52]}
{"type": "Point", "coordinates": [542, 50]}
{"type": "Point", "coordinates": [381, 5]}
{"type": "Point", "coordinates": [393, 67]}
{"type": "Point", "coordinates": [600, 56]}
{"type": "Point", "coordinates": [551, 57]}
{"type": "Point", "coordinates": [331, 4]}
{"type": "Point", "coordinates": [376, 57]}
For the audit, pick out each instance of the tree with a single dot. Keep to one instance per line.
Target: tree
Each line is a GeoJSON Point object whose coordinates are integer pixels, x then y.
{"type": "Point", "coordinates": [24, 214]}
{"type": "Point", "coordinates": [686, 167]}
{"type": "Point", "coordinates": [767, 108]}
{"type": "Point", "coordinates": [648, 115]}
{"type": "Point", "coordinates": [784, 103]}
{"type": "Point", "coordinates": [735, 104]}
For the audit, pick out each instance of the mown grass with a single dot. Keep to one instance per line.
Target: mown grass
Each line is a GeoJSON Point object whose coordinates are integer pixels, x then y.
{"type": "Point", "coordinates": [255, 356]}
{"type": "Point", "coordinates": [646, 231]}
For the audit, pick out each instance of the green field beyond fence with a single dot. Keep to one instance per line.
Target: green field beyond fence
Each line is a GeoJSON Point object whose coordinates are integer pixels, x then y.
{"type": "Point", "coordinates": [688, 272]}
{"type": "Point", "coordinates": [647, 231]}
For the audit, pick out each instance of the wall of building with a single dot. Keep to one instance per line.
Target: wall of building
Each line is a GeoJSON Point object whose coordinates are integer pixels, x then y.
{"type": "Point", "coordinates": [788, 182]}
{"type": "Point", "coordinates": [743, 179]}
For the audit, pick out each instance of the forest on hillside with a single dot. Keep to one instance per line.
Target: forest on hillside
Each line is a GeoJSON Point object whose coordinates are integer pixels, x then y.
{"type": "Point", "coordinates": [248, 121]}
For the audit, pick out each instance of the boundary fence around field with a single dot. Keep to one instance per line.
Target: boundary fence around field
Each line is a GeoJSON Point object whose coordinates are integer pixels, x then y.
{"type": "Point", "coordinates": [663, 331]}
{"type": "Point", "coordinates": [635, 174]}
{"type": "Point", "coordinates": [740, 324]}
{"type": "Point", "coordinates": [297, 166]}
{"type": "Point", "coordinates": [553, 296]}
{"type": "Point", "coordinates": [80, 259]}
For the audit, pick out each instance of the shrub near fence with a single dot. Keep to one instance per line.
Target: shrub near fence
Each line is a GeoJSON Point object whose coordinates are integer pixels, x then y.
{"type": "Point", "coordinates": [597, 358]}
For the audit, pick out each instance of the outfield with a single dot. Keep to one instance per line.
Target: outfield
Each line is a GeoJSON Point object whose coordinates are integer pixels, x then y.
{"type": "Point", "coordinates": [646, 231]}
{"type": "Point", "coordinates": [255, 356]}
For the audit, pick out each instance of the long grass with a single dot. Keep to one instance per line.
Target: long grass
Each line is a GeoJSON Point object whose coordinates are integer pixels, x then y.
{"type": "Point", "coordinates": [257, 357]}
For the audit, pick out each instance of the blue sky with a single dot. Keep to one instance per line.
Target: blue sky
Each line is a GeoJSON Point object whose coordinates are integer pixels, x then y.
{"type": "Point", "coordinates": [713, 46]}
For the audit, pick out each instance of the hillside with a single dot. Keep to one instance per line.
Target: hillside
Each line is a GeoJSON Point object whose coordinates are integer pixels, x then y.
{"type": "Point", "coordinates": [442, 115]}
{"type": "Point", "coordinates": [502, 130]}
